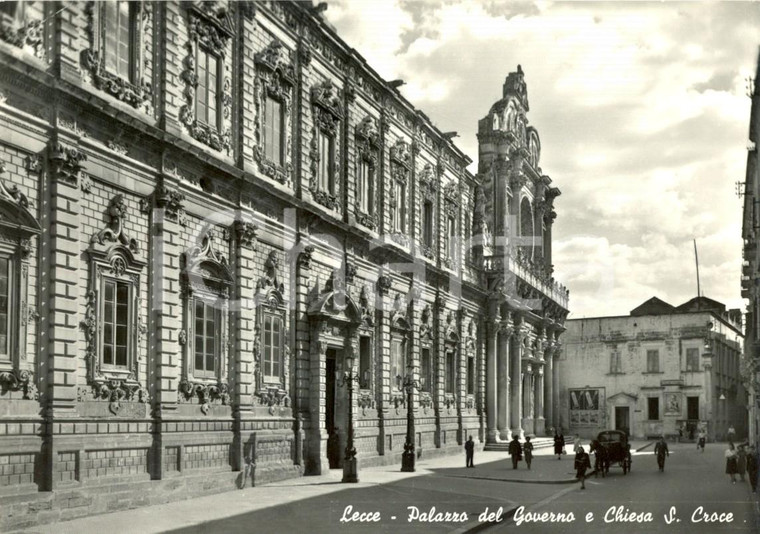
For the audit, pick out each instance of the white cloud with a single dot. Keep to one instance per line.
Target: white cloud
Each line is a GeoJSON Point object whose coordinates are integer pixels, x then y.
{"type": "Point", "coordinates": [642, 113]}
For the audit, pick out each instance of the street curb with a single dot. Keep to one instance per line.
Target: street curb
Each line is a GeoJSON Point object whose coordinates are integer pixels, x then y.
{"type": "Point", "coordinates": [522, 481]}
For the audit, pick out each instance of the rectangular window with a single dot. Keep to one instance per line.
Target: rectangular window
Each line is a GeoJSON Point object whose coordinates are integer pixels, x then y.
{"type": "Point", "coordinates": [116, 323]}
{"type": "Point", "coordinates": [426, 380]}
{"type": "Point", "coordinates": [653, 408]}
{"type": "Point", "coordinates": [470, 375]}
{"type": "Point", "coordinates": [399, 214]}
{"type": "Point", "coordinates": [364, 361]}
{"type": "Point", "coordinates": [207, 326]}
{"type": "Point", "coordinates": [450, 238]}
{"type": "Point", "coordinates": [653, 361]}
{"type": "Point", "coordinates": [364, 186]}
{"type": "Point", "coordinates": [207, 90]}
{"type": "Point", "coordinates": [427, 223]}
{"type": "Point", "coordinates": [451, 376]}
{"type": "Point", "coordinates": [119, 35]}
{"type": "Point", "coordinates": [272, 348]}
{"type": "Point", "coordinates": [692, 359]}
{"type": "Point", "coordinates": [615, 364]}
{"type": "Point", "coordinates": [398, 364]}
{"type": "Point", "coordinates": [273, 131]}
{"type": "Point", "coordinates": [5, 308]}
{"type": "Point", "coordinates": [326, 160]}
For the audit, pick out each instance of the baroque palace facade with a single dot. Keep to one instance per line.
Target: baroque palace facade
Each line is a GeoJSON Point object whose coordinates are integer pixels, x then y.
{"type": "Point", "coordinates": [205, 208]}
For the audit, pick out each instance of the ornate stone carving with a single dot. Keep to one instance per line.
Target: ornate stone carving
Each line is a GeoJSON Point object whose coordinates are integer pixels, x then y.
{"type": "Point", "coordinates": [426, 327]}
{"type": "Point", "coordinates": [365, 402]}
{"type": "Point", "coordinates": [207, 394]}
{"type": "Point", "coordinates": [274, 398]}
{"type": "Point", "coordinates": [12, 193]}
{"type": "Point", "coordinates": [271, 276]}
{"type": "Point", "coordinates": [428, 183]}
{"type": "Point", "coordinates": [66, 163]}
{"type": "Point", "coordinates": [116, 392]}
{"type": "Point", "coordinates": [246, 234]}
{"type": "Point", "coordinates": [305, 256]}
{"type": "Point", "coordinates": [304, 53]}
{"type": "Point", "coordinates": [384, 284]}
{"type": "Point", "coordinates": [24, 34]}
{"type": "Point", "coordinates": [115, 231]}
{"type": "Point", "coordinates": [365, 307]}
{"type": "Point", "coordinates": [169, 200]}
{"type": "Point", "coordinates": [400, 154]}
{"type": "Point", "coordinates": [19, 380]}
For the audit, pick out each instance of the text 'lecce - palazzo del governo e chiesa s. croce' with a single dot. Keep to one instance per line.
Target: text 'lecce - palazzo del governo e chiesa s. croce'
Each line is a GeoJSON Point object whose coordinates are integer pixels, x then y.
{"type": "Point", "coordinates": [205, 208]}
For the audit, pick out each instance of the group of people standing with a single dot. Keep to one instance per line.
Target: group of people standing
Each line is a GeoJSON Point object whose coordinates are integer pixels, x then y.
{"type": "Point", "coordinates": [741, 460]}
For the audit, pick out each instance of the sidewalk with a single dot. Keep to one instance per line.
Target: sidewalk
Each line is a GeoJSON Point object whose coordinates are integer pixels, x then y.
{"type": "Point", "coordinates": [320, 502]}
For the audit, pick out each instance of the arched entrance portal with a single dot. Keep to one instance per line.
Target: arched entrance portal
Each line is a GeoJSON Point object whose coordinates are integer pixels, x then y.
{"type": "Point", "coordinates": [335, 319]}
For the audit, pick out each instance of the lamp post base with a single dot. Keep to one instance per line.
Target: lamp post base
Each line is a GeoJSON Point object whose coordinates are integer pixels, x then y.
{"type": "Point", "coordinates": [350, 473]}
{"type": "Point", "coordinates": [407, 461]}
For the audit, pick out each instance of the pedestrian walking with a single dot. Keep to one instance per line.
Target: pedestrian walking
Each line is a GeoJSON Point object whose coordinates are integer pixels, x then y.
{"type": "Point", "coordinates": [528, 450]}
{"type": "Point", "coordinates": [515, 451]}
{"type": "Point", "coordinates": [730, 455]}
{"type": "Point", "coordinates": [741, 461]}
{"type": "Point", "coordinates": [753, 459]}
{"type": "Point", "coordinates": [731, 434]}
{"type": "Point", "coordinates": [469, 449]}
{"type": "Point", "coordinates": [559, 444]}
{"type": "Point", "coordinates": [582, 462]}
{"type": "Point", "coordinates": [702, 438]}
{"type": "Point", "coordinates": [661, 450]}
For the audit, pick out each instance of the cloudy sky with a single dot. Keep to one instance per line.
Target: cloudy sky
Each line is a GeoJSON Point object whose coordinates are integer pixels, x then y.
{"type": "Point", "coordinates": [642, 112]}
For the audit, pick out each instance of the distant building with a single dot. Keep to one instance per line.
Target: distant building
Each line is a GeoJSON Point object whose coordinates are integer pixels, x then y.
{"type": "Point", "coordinates": [750, 279]}
{"type": "Point", "coordinates": [662, 370]}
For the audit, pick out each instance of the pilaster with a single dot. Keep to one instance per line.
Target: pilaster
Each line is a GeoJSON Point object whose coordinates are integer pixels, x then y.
{"type": "Point", "coordinates": [244, 317]}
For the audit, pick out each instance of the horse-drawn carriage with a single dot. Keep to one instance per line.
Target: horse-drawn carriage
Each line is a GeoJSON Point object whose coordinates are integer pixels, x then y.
{"type": "Point", "coordinates": [611, 446]}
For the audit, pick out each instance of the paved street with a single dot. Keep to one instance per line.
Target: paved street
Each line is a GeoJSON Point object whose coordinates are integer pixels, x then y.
{"type": "Point", "coordinates": [691, 481]}
{"type": "Point", "coordinates": [443, 484]}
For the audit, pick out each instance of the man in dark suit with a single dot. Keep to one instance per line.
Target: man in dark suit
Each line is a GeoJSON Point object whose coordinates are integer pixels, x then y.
{"type": "Point", "coordinates": [469, 449]}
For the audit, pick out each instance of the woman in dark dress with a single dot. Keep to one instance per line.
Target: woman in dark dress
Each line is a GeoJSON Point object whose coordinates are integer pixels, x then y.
{"type": "Point", "coordinates": [559, 443]}
{"type": "Point", "coordinates": [730, 455]}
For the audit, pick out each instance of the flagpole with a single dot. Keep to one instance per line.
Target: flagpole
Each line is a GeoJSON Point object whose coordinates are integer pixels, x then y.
{"type": "Point", "coordinates": [696, 259]}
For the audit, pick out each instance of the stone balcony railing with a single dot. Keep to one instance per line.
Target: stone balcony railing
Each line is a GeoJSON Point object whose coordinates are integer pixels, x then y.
{"type": "Point", "coordinates": [529, 272]}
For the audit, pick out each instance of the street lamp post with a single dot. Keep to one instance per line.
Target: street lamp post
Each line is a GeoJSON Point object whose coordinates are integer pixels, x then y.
{"type": "Point", "coordinates": [408, 456]}
{"type": "Point", "coordinates": [350, 468]}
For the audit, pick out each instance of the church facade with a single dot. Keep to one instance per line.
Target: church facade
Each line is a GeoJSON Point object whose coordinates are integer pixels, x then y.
{"type": "Point", "coordinates": [208, 212]}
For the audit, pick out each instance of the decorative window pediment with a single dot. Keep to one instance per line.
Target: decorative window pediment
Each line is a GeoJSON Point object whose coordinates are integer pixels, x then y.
{"type": "Point", "coordinates": [399, 315]}
{"type": "Point", "coordinates": [19, 30]}
{"type": "Point", "coordinates": [273, 95]}
{"type": "Point", "coordinates": [400, 154]}
{"type": "Point", "coordinates": [426, 327]}
{"type": "Point", "coordinates": [112, 324]}
{"type": "Point", "coordinates": [427, 179]}
{"type": "Point", "coordinates": [335, 303]}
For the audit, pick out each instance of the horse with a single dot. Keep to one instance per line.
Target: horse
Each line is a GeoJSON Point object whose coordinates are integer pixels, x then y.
{"type": "Point", "coordinates": [601, 459]}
